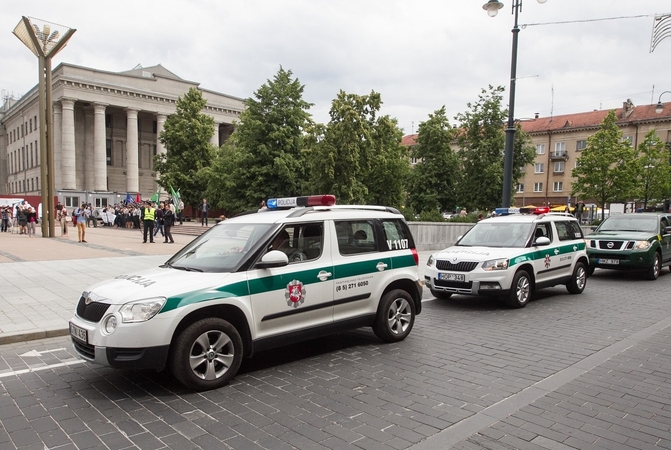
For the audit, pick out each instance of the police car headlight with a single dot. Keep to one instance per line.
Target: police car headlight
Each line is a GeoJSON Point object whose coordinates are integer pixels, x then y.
{"type": "Point", "coordinates": [495, 264]}
{"type": "Point", "coordinates": [141, 310]}
{"type": "Point", "coordinates": [430, 261]}
{"type": "Point", "coordinates": [642, 245]}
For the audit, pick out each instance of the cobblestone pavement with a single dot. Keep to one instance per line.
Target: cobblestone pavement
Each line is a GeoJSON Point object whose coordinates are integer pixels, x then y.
{"type": "Point", "coordinates": [587, 371]}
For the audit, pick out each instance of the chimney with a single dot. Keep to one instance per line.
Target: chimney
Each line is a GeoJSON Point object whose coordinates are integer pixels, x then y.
{"type": "Point", "coordinates": [627, 108]}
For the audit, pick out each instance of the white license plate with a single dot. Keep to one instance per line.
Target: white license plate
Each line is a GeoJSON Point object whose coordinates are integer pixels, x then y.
{"type": "Point", "coordinates": [452, 276]}
{"type": "Point", "coordinates": [608, 261]}
{"type": "Point", "coordinates": [78, 333]}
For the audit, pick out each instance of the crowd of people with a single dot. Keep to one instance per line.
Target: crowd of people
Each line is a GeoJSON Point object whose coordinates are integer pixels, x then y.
{"type": "Point", "coordinates": [21, 218]}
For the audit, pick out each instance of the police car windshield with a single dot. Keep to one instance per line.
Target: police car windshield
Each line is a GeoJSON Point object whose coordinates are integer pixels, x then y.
{"type": "Point", "coordinates": [497, 234]}
{"type": "Point", "coordinates": [221, 249]}
{"type": "Point", "coordinates": [629, 222]}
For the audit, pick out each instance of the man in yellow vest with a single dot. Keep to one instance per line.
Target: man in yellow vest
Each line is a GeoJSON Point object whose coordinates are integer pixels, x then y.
{"type": "Point", "coordinates": [148, 216]}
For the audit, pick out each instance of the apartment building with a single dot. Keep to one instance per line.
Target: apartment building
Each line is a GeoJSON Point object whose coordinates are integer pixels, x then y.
{"type": "Point", "coordinates": [559, 140]}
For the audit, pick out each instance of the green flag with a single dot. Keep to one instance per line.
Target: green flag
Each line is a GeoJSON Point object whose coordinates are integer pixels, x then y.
{"type": "Point", "coordinates": [156, 196]}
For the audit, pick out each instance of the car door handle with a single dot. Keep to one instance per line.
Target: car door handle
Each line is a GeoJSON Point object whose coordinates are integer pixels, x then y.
{"type": "Point", "coordinates": [381, 266]}
{"type": "Point", "coordinates": [324, 275]}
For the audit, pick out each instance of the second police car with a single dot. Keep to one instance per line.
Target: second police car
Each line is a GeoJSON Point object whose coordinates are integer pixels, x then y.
{"type": "Point", "coordinates": [254, 282]}
{"type": "Point", "coordinates": [511, 257]}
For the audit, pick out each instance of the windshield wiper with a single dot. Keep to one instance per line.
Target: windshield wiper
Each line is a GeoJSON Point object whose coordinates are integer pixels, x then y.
{"type": "Point", "coordinates": [188, 269]}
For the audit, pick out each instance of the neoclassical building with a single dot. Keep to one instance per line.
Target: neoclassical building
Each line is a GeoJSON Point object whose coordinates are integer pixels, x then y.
{"type": "Point", "coordinates": [106, 128]}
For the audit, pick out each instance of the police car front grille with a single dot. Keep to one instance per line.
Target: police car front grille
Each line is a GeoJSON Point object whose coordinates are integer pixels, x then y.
{"type": "Point", "coordinates": [86, 350]}
{"type": "Point", "coordinates": [92, 312]}
{"type": "Point", "coordinates": [464, 266]}
{"type": "Point", "coordinates": [453, 284]}
{"type": "Point", "coordinates": [610, 245]}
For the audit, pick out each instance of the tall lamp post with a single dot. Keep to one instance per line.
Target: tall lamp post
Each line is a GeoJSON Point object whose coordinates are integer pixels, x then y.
{"type": "Point", "coordinates": [492, 7]}
{"type": "Point", "coordinates": [45, 39]}
{"type": "Point", "coordinates": [660, 107]}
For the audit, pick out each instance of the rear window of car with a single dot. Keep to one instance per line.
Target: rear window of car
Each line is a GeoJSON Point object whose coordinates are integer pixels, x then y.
{"type": "Point", "coordinates": [568, 230]}
{"type": "Point", "coordinates": [355, 236]}
{"type": "Point", "coordinates": [397, 235]}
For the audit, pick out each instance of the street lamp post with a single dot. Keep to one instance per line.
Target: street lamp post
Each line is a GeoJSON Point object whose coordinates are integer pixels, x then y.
{"type": "Point", "coordinates": [660, 107]}
{"type": "Point", "coordinates": [45, 39]}
{"type": "Point", "coordinates": [492, 7]}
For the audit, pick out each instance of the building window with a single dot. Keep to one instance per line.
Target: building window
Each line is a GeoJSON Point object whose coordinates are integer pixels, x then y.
{"type": "Point", "coordinates": [32, 162]}
{"type": "Point", "coordinates": [520, 188]}
{"type": "Point", "coordinates": [538, 187]}
{"type": "Point", "coordinates": [413, 161]}
{"type": "Point", "coordinates": [30, 124]}
{"type": "Point", "coordinates": [629, 139]}
{"type": "Point", "coordinates": [580, 145]}
{"type": "Point", "coordinates": [108, 150]}
{"type": "Point", "coordinates": [108, 120]}
{"type": "Point", "coordinates": [37, 154]}
{"type": "Point", "coordinates": [539, 168]}
{"type": "Point", "coordinates": [540, 149]}
{"type": "Point", "coordinates": [557, 186]}
{"type": "Point", "coordinates": [154, 127]}
{"type": "Point", "coordinates": [72, 202]}
{"type": "Point", "coordinates": [560, 148]}
{"type": "Point", "coordinates": [559, 167]}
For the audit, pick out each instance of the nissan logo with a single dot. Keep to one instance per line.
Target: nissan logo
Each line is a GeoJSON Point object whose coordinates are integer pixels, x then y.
{"type": "Point", "coordinates": [610, 245]}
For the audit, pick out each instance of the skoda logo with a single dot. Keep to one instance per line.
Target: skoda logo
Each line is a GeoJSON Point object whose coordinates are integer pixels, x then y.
{"type": "Point", "coordinates": [454, 259]}
{"type": "Point", "coordinates": [88, 300]}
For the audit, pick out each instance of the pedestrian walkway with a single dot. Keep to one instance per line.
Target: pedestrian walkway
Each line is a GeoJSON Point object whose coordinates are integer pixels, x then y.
{"type": "Point", "coordinates": [42, 279]}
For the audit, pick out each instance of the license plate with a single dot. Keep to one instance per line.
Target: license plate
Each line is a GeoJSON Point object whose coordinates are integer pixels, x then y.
{"type": "Point", "coordinates": [608, 261]}
{"type": "Point", "coordinates": [78, 333]}
{"type": "Point", "coordinates": [452, 276]}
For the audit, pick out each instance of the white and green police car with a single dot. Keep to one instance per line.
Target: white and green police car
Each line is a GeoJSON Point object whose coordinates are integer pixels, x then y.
{"type": "Point", "coordinates": [512, 256]}
{"type": "Point", "coordinates": [254, 282]}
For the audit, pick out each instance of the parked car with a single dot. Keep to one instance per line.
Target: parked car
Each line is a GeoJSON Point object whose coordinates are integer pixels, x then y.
{"type": "Point", "coordinates": [298, 269]}
{"type": "Point", "coordinates": [511, 257]}
{"type": "Point", "coordinates": [638, 241]}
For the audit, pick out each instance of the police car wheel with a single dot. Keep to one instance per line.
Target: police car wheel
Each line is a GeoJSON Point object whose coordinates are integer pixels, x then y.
{"type": "Point", "coordinates": [578, 280]}
{"type": "Point", "coordinates": [207, 354]}
{"type": "Point", "coordinates": [440, 294]}
{"type": "Point", "coordinates": [655, 269]}
{"type": "Point", "coordinates": [520, 290]}
{"type": "Point", "coordinates": [395, 316]}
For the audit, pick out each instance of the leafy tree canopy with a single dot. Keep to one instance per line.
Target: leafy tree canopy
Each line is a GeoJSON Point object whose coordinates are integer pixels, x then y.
{"type": "Point", "coordinates": [186, 137]}
{"type": "Point", "coordinates": [654, 181]}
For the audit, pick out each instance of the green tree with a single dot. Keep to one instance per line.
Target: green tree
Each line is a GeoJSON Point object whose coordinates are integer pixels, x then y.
{"type": "Point", "coordinates": [654, 171]}
{"type": "Point", "coordinates": [264, 157]}
{"type": "Point", "coordinates": [357, 156]}
{"type": "Point", "coordinates": [481, 139]}
{"type": "Point", "coordinates": [607, 169]}
{"type": "Point", "coordinates": [186, 137]}
{"type": "Point", "coordinates": [434, 179]}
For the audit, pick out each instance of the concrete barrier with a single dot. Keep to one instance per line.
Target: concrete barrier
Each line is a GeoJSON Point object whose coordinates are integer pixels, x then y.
{"type": "Point", "coordinates": [440, 235]}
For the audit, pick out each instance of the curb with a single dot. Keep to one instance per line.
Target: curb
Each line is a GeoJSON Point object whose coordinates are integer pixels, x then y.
{"type": "Point", "coordinates": [13, 338]}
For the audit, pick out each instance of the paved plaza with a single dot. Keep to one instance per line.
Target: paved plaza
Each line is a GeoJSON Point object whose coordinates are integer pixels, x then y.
{"type": "Point", "coordinates": [589, 371]}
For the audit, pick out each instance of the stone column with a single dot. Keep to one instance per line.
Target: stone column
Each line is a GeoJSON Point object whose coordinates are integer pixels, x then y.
{"type": "Point", "coordinates": [88, 148]}
{"type": "Point", "coordinates": [160, 121]}
{"type": "Point", "coordinates": [132, 170]}
{"type": "Point", "coordinates": [58, 146]}
{"type": "Point", "coordinates": [68, 144]}
{"type": "Point", "coordinates": [99, 148]}
{"type": "Point", "coordinates": [214, 140]}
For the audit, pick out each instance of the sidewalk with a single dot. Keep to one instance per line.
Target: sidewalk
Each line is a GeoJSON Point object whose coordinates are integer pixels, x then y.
{"type": "Point", "coordinates": [41, 279]}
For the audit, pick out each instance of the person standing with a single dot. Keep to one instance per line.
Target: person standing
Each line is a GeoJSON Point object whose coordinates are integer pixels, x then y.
{"type": "Point", "coordinates": [204, 209]}
{"type": "Point", "coordinates": [148, 217]}
{"type": "Point", "coordinates": [32, 220]}
{"type": "Point", "coordinates": [181, 212]}
{"type": "Point", "coordinates": [168, 222]}
{"type": "Point", "coordinates": [5, 219]}
{"type": "Point", "coordinates": [62, 218]}
{"type": "Point", "coordinates": [82, 216]}
{"type": "Point", "coordinates": [159, 220]}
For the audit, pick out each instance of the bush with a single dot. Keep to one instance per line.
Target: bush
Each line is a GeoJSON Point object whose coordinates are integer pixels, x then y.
{"type": "Point", "coordinates": [431, 216]}
{"type": "Point", "coordinates": [470, 218]}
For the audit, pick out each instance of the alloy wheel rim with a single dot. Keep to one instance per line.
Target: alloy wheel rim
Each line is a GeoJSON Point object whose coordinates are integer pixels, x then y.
{"type": "Point", "coordinates": [211, 355]}
{"type": "Point", "coordinates": [399, 316]}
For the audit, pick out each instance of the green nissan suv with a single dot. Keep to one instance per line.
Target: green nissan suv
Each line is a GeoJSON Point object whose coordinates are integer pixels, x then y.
{"type": "Point", "coordinates": [640, 241]}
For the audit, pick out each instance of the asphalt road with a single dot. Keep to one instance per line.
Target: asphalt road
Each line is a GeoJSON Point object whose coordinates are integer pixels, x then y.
{"type": "Point", "coordinates": [568, 371]}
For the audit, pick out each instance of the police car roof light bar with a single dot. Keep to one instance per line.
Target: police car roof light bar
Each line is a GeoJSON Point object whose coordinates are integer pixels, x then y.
{"type": "Point", "coordinates": [292, 202]}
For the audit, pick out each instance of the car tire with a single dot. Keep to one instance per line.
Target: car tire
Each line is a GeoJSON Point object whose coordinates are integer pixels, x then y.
{"type": "Point", "coordinates": [578, 280]}
{"type": "Point", "coordinates": [440, 294]}
{"type": "Point", "coordinates": [520, 290]}
{"type": "Point", "coordinates": [207, 354]}
{"type": "Point", "coordinates": [395, 316]}
{"type": "Point", "coordinates": [655, 269]}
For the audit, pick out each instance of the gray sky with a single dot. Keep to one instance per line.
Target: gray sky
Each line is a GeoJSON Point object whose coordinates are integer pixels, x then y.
{"type": "Point", "coordinates": [418, 54]}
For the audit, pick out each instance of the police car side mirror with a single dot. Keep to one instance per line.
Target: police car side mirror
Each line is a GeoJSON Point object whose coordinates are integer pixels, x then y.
{"type": "Point", "coordinates": [543, 240]}
{"type": "Point", "coordinates": [273, 258]}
